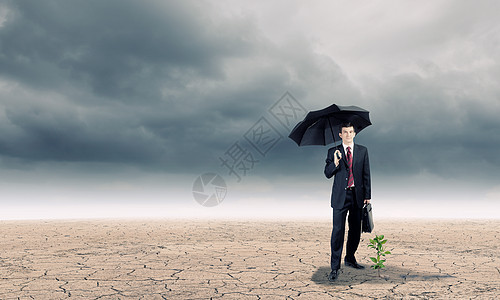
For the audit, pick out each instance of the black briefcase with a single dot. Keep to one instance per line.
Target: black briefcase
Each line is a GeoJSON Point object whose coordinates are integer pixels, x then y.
{"type": "Point", "coordinates": [367, 218]}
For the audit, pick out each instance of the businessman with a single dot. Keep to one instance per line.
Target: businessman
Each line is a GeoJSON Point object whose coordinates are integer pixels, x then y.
{"type": "Point", "coordinates": [351, 188]}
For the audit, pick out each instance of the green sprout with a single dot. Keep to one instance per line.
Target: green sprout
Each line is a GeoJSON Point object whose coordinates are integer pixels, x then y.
{"type": "Point", "coordinates": [378, 244]}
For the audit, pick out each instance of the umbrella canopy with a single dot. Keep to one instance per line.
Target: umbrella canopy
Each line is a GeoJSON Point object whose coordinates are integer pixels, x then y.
{"type": "Point", "coordinates": [321, 126]}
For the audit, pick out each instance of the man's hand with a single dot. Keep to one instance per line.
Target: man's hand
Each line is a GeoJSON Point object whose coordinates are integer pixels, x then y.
{"type": "Point", "coordinates": [336, 157]}
{"type": "Point", "coordinates": [367, 201]}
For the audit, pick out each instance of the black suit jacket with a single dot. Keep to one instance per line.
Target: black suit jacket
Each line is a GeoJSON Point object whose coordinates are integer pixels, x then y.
{"type": "Point", "coordinates": [361, 167]}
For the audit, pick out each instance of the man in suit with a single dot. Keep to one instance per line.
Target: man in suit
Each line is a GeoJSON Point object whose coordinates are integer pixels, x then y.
{"type": "Point", "coordinates": [351, 189]}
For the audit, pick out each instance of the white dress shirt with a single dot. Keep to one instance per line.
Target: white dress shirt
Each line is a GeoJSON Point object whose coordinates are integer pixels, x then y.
{"type": "Point", "coordinates": [352, 155]}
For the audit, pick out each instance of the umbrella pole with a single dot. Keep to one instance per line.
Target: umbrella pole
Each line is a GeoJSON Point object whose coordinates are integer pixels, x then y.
{"type": "Point", "coordinates": [331, 130]}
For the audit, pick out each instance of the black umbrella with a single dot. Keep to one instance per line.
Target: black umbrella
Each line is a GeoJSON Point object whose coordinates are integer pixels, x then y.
{"type": "Point", "coordinates": [320, 127]}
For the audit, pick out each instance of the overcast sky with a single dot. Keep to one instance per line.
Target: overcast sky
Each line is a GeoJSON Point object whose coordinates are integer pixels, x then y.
{"type": "Point", "coordinates": [102, 101]}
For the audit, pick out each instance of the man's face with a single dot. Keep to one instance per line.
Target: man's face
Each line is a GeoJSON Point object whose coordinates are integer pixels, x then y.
{"type": "Point", "coordinates": [347, 135]}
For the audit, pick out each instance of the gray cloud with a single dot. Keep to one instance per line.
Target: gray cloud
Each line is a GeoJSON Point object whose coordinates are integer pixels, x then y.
{"type": "Point", "coordinates": [443, 123]}
{"type": "Point", "coordinates": [110, 46]}
{"type": "Point", "coordinates": [169, 85]}
{"type": "Point", "coordinates": [157, 84]}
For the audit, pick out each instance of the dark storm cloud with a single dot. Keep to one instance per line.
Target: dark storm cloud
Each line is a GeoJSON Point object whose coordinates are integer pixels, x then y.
{"type": "Point", "coordinates": [445, 124]}
{"type": "Point", "coordinates": [163, 84]}
{"type": "Point", "coordinates": [107, 81]}
{"type": "Point", "coordinates": [171, 85]}
{"type": "Point", "coordinates": [118, 48]}
{"type": "Point", "coordinates": [62, 133]}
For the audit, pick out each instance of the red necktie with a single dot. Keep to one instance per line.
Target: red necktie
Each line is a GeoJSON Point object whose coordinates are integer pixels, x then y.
{"type": "Point", "coordinates": [350, 182]}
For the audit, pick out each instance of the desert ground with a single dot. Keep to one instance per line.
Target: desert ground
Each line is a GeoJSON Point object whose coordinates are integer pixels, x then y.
{"type": "Point", "coordinates": [204, 259]}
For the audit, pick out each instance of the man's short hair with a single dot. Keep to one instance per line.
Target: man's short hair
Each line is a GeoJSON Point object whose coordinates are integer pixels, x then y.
{"type": "Point", "coordinates": [345, 125]}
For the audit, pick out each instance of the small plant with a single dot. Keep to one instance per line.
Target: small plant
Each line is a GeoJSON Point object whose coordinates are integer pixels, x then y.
{"type": "Point", "coordinates": [378, 244]}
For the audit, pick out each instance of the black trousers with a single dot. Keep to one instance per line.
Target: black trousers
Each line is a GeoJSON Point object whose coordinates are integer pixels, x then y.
{"type": "Point", "coordinates": [338, 232]}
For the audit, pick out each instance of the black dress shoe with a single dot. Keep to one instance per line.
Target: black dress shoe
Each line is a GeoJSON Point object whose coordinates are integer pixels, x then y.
{"type": "Point", "coordinates": [354, 264]}
{"type": "Point", "coordinates": [333, 275]}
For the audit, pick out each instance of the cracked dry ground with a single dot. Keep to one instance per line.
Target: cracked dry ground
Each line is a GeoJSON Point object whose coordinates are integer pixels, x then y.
{"type": "Point", "coordinates": [242, 260]}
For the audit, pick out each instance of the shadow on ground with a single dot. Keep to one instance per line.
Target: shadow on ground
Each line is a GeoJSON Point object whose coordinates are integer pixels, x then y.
{"type": "Point", "coordinates": [352, 276]}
